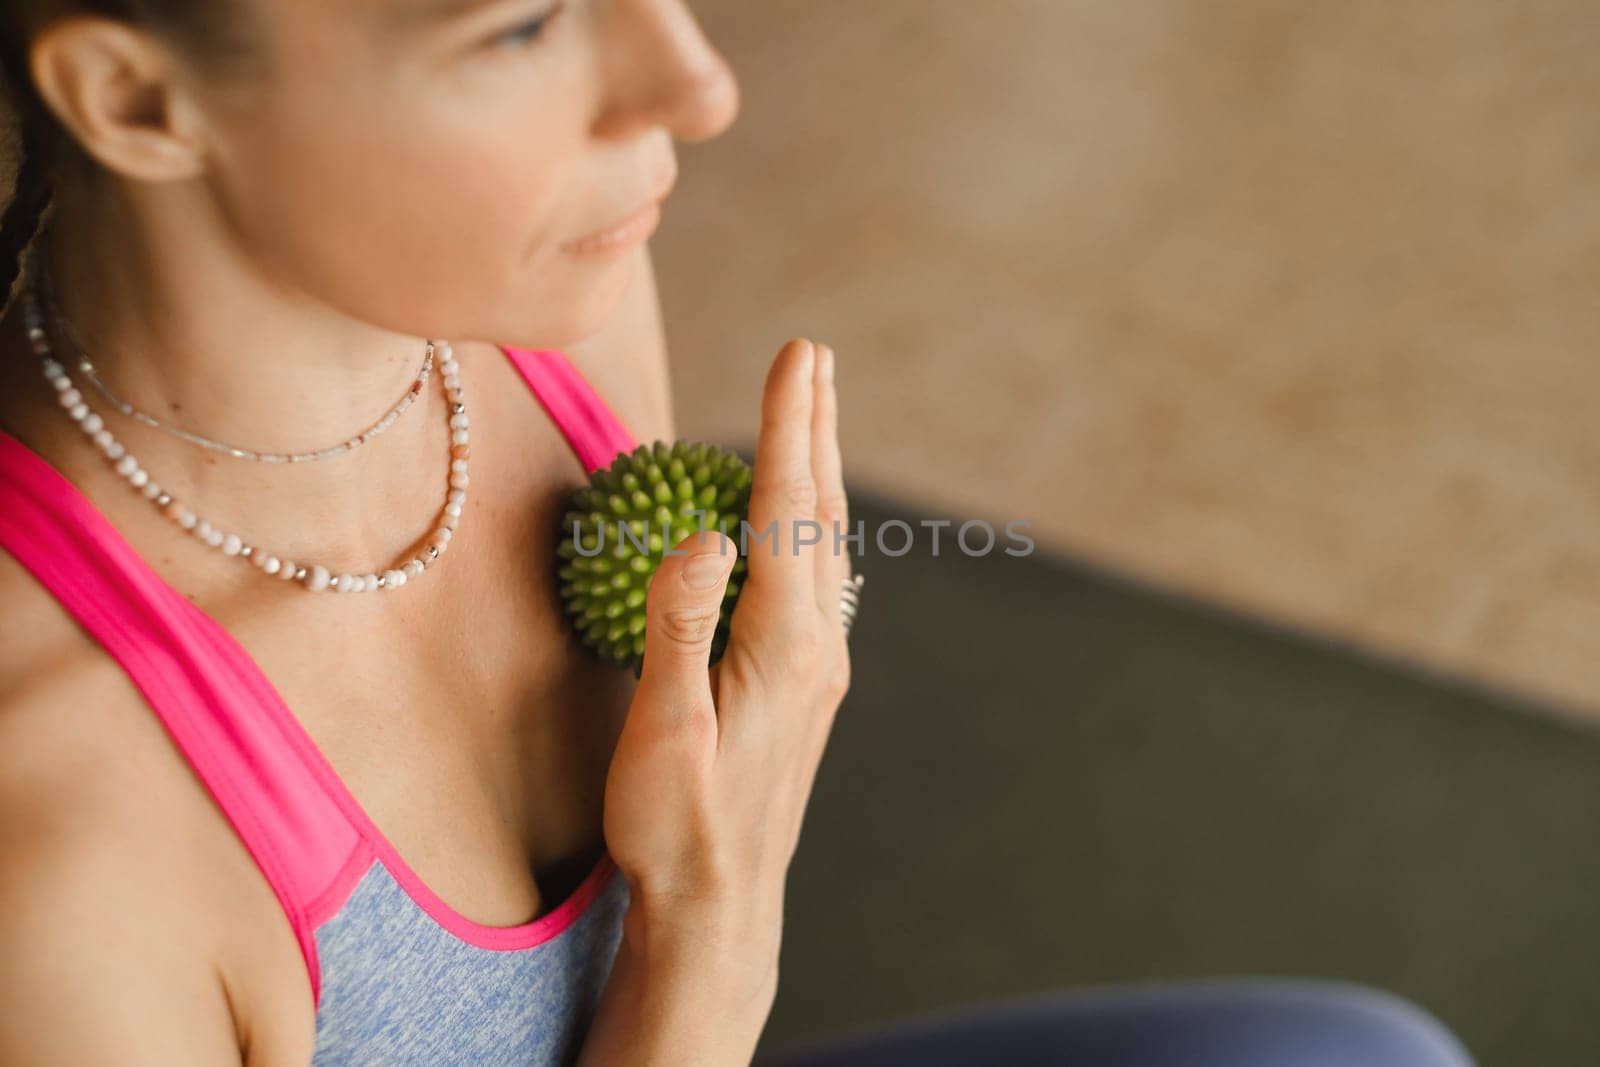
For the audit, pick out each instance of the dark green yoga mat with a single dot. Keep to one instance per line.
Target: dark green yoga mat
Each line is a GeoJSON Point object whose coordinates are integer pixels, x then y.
{"type": "Point", "coordinates": [1047, 777]}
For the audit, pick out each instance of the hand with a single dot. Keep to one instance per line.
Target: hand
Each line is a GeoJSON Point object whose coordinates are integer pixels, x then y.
{"type": "Point", "coordinates": [713, 769]}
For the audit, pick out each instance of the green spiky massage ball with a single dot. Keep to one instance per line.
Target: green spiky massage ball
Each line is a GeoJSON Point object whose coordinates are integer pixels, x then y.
{"type": "Point", "coordinates": [654, 487]}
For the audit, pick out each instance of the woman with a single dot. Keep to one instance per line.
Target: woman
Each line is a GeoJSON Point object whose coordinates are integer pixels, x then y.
{"type": "Point", "coordinates": [239, 381]}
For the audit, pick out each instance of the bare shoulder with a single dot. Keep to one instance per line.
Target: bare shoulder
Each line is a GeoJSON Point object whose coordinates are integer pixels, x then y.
{"type": "Point", "coordinates": [65, 707]}
{"type": "Point", "coordinates": [53, 692]}
{"type": "Point", "coordinates": [99, 958]}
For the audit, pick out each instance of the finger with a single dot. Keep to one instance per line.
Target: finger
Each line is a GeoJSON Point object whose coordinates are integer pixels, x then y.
{"type": "Point", "coordinates": [833, 512]}
{"type": "Point", "coordinates": [683, 603]}
{"type": "Point", "coordinates": [783, 490]}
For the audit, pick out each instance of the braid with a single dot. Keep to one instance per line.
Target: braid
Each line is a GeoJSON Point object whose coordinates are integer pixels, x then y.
{"type": "Point", "coordinates": [35, 184]}
{"type": "Point", "coordinates": [37, 151]}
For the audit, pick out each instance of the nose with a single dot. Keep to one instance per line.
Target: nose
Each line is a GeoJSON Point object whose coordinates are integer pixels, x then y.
{"type": "Point", "coordinates": [660, 71]}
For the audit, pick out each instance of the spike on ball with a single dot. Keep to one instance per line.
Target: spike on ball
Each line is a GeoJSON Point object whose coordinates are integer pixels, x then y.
{"type": "Point", "coordinates": [617, 529]}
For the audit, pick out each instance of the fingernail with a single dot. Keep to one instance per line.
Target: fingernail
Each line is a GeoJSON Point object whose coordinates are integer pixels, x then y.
{"type": "Point", "coordinates": [827, 364]}
{"type": "Point", "coordinates": [808, 352]}
{"type": "Point", "coordinates": [702, 572]}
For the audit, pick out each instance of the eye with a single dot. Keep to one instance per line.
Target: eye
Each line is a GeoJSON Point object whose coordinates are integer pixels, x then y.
{"type": "Point", "coordinates": [526, 34]}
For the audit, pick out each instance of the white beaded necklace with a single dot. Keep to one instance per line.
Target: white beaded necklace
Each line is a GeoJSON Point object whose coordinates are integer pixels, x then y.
{"type": "Point", "coordinates": [312, 576]}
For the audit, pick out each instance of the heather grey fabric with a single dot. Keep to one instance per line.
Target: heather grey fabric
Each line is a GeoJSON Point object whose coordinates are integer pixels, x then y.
{"type": "Point", "coordinates": [399, 989]}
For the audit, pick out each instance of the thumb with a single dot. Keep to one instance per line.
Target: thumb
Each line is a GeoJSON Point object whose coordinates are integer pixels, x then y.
{"type": "Point", "coordinates": [682, 605]}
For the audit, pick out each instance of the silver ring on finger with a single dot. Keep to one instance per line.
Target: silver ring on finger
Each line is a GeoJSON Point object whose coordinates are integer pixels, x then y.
{"type": "Point", "coordinates": [850, 600]}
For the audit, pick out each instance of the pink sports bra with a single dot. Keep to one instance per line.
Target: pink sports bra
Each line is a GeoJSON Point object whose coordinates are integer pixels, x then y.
{"type": "Point", "coordinates": [397, 975]}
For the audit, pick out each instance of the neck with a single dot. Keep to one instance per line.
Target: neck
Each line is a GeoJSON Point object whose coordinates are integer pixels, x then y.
{"type": "Point", "coordinates": [183, 330]}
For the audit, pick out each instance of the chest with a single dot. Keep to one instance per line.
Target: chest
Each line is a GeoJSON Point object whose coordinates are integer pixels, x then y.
{"type": "Point", "coordinates": [473, 732]}
{"type": "Point", "coordinates": [494, 802]}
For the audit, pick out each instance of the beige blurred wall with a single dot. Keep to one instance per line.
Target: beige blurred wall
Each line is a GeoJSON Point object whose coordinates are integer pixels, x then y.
{"type": "Point", "coordinates": [1291, 306]}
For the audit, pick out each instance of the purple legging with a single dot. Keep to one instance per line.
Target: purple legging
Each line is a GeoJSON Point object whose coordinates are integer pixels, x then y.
{"type": "Point", "coordinates": [1216, 1023]}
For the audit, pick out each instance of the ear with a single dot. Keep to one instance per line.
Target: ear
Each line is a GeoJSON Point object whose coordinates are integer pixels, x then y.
{"type": "Point", "coordinates": [120, 93]}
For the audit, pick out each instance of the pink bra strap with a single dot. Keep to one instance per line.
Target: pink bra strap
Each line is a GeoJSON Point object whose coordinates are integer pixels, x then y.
{"type": "Point", "coordinates": [192, 675]}
{"type": "Point", "coordinates": [588, 423]}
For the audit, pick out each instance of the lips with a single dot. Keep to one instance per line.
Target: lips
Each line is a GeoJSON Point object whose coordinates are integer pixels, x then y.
{"type": "Point", "coordinates": [628, 231]}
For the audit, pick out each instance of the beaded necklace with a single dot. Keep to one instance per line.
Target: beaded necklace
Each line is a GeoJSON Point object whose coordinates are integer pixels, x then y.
{"type": "Point", "coordinates": [312, 576]}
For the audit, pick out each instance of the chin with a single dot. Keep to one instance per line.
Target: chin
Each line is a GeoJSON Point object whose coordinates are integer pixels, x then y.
{"type": "Point", "coordinates": [580, 317]}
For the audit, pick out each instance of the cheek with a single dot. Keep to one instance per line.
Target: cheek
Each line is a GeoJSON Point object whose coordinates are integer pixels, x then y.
{"type": "Point", "coordinates": [427, 226]}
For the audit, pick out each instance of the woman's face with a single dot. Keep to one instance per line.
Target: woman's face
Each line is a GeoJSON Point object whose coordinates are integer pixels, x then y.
{"type": "Point", "coordinates": [426, 165]}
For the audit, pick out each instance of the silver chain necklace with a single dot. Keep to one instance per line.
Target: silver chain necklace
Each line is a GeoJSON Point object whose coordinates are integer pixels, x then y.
{"type": "Point", "coordinates": [312, 576]}
{"type": "Point", "coordinates": [86, 368]}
